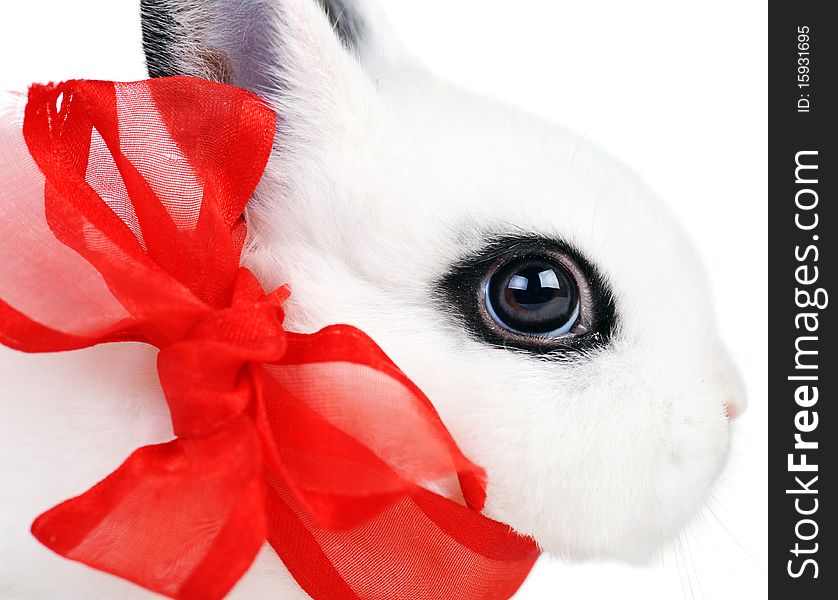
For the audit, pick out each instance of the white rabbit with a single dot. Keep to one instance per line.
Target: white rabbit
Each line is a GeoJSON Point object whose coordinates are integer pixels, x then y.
{"type": "Point", "coordinates": [408, 207]}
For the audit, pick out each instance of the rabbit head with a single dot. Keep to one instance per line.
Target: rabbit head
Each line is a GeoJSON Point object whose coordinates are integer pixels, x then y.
{"type": "Point", "coordinates": [543, 298]}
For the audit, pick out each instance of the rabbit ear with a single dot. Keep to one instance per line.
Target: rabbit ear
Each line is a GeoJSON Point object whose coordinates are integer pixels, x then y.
{"type": "Point", "coordinates": [284, 50]}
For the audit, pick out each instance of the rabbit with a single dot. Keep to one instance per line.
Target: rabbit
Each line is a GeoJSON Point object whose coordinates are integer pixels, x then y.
{"type": "Point", "coordinates": [533, 287]}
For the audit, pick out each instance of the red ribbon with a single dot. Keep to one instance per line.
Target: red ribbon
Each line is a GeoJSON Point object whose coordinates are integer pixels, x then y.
{"type": "Point", "coordinates": [128, 227]}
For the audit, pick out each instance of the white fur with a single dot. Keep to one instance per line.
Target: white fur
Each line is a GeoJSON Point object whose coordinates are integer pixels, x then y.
{"type": "Point", "coordinates": [384, 177]}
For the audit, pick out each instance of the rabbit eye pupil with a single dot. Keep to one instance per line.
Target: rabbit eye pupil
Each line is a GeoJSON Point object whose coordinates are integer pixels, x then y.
{"type": "Point", "coordinates": [533, 296]}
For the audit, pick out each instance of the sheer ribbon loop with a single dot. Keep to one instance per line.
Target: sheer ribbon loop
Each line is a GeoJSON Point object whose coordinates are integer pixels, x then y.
{"type": "Point", "coordinates": [127, 201]}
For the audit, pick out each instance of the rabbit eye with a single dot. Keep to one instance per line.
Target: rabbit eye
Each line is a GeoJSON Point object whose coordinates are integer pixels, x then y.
{"type": "Point", "coordinates": [536, 296]}
{"type": "Point", "coordinates": [530, 293]}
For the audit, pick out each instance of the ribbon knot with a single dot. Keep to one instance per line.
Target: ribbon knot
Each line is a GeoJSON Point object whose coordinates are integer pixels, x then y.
{"type": "Point", "coordinates": [316, 443]}
{"type": "Point", "coordinates": [208, 377]}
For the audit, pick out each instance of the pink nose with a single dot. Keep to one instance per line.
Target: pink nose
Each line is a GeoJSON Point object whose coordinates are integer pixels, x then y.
{"type": "Point", "coordinates": [734, 409]}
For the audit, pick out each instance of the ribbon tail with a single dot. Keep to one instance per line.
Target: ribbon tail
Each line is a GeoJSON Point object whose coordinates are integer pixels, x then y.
{"type": "Point", "coordinates": [423, 546]}
{"type": "Point", "coordinates": [184, 519]}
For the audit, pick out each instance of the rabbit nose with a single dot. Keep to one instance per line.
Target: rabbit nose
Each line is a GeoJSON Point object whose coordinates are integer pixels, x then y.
{"type": "Point", "coordinates": [735, 392]}
{"type": "Point", "coordinates": [735, 406]}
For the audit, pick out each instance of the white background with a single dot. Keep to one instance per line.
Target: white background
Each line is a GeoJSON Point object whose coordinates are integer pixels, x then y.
{"type": "Point", "coordinates": [676, 89]}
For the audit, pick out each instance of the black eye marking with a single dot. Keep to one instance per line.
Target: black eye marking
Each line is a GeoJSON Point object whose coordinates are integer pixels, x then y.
{"type": "Point", "coordinates": [530, 293]}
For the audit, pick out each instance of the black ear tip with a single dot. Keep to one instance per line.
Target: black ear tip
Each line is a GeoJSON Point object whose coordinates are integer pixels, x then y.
{"type": "Point", "coordinates": [346, 22]}
{"type": "Point", "coordinates": [160, 33]}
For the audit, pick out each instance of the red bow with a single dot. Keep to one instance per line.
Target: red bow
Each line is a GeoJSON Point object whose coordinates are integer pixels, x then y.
{"type": "Point", "coordinates": [128, 227]}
